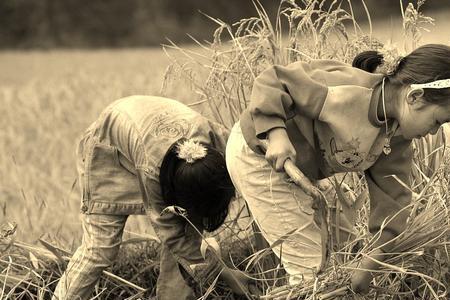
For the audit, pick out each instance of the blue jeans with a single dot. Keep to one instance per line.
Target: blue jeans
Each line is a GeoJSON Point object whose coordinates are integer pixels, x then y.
{"type": "Point", "coordinates": [102, 236]}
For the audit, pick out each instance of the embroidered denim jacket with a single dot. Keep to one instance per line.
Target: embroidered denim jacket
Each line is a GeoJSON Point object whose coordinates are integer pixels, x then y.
{"type": "Point", "coordinates": [119, 159]}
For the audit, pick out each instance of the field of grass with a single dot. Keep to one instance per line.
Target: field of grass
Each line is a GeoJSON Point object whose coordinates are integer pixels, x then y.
{"type": "Point", "coordinates": [49, 97]}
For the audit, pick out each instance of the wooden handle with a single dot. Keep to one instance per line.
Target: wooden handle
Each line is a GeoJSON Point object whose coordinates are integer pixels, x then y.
{"type": "Point", "coordinates": [297, 176]}
{"type": "Point", "coordinates": [300, 179]}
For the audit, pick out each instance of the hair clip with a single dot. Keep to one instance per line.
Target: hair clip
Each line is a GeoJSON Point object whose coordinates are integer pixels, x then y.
{"type": "Point", "coordinates": [438, 84]}
{"type": "Point", "coordinates": [391, 59]}
{"type": "Point", "coordinates": [191, 150]}
{"type": "Point", "coordinates": [391, 66]}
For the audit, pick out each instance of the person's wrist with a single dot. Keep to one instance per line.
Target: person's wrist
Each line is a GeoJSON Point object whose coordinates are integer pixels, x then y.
{"type": "Point", "coordinates": [276, 133]}
{"type": "Point", "coordinates": [371, 261]}
{"type": "Point", "coordinates": [225, 274]}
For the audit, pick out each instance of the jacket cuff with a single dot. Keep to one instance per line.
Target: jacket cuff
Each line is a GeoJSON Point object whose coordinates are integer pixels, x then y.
{"type": "Point", "coordinates": [263, 124]}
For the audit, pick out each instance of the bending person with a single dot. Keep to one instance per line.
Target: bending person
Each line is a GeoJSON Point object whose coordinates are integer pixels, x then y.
{"type": "Point", "coordinates": [329, 117]}
{"type": "Point", "coordinates": [140, 156]}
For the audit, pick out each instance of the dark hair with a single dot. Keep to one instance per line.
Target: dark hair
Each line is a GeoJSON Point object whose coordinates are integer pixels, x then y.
{"type": "Point", "coordinates": [202, 187]}
{"type": "Point", "coordinates": [425, 64]}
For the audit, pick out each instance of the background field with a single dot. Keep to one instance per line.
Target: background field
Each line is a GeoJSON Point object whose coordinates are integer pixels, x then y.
{"type": "Point", "coordinates": [48, 99]}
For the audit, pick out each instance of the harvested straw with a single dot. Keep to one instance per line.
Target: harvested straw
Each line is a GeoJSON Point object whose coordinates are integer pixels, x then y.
{"type": "Point", "coordinates": [418, 266]}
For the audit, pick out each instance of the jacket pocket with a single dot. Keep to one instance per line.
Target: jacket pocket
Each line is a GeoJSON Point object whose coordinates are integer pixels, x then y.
{"type": "Point", "coordinates": [111, 188]}
{"type": "Point", "coordinates": [101, 164]}
{"type": "Point", "coordinates": [83, 151]}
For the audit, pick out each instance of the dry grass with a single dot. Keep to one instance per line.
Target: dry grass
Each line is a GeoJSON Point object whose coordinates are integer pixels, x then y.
{"type": "Point", "coordinates": [50, 97]}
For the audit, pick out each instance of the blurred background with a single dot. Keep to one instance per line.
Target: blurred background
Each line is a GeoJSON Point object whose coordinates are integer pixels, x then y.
{"type": "Point", "coordinates": [47, 24]}
{"type": "Point", "coordinates": [63, 61]}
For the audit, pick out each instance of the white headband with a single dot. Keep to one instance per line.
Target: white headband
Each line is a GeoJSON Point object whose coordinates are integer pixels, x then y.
{"type": "Point", "coordinates": [438, 84]}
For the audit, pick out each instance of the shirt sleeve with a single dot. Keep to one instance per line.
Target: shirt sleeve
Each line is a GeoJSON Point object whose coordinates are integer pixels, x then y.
{"type": "Point", "coordinates": [388, 181]}
{"type": "Point", "coordinates": [177, 235]}
{"type": "Point", "coordinates": [280, 92]}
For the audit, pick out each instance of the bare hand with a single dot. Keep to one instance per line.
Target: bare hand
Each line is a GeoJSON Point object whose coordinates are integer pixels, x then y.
{"type": "Point", "coordinates": [279, 149]}
{"type": "Point", "coordinates": [361, 279]}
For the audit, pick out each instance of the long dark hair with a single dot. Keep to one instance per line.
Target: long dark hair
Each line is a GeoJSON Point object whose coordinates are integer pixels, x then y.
{"type": "Point", "coordinates": [425, 64]}
{"type": "Point", "coordinates": [202, 187]}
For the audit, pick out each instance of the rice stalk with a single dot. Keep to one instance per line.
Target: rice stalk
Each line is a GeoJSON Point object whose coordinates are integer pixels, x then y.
{"type": "Point", "coordinates": [414, 21]}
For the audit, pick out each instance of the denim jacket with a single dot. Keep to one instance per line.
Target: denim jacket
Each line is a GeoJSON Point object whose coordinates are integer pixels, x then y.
{"type": "Point", "coordinates": [119, 159]}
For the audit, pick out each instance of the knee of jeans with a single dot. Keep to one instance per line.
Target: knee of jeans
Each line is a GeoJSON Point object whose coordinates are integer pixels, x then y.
{"type": "Point", "coordinates": [103, 255]}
